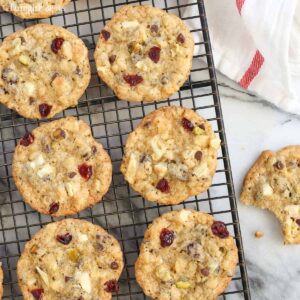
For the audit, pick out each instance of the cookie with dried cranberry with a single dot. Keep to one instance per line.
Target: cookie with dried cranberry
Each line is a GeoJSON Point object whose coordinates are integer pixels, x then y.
{"type": "Point", "coordinates": [273, 183]}
{"type": "Point", "coordinates": [144, 53]}
{"type": "Point", "coordinates": [186, 254]}
{"type": "Point", "coordinates": [1, 280]}
{"type": "Point", "coordinates": [70, 259]}
{"type": "Point", "coordinates": [33, 9]}
{"type": "Point", "coordinates": [60, 169]}
{"type": "Point", "coordinates": [44, 69]}
{"type": "Point", "coordinates": [171, 155]}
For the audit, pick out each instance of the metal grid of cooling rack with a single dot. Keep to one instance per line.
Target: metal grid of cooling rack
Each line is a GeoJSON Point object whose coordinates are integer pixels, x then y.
{"type": "Point", "coordinates": [122, 212]}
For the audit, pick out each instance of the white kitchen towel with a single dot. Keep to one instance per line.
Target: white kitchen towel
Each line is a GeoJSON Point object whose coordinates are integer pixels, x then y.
{"type": "Point", "coordinates": [257, 44]}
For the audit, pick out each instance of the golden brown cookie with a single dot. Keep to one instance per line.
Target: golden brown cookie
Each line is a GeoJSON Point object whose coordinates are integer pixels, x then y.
{"type": "Point", "coordinates": [70, 259]}
{"type": "Point", "coordinates": [186, 254]}
{"type": "Point", "coordinates": [33, 9]}
{"type": "Point", "coordinates": [1, 280]}
{"type": "Point", "coordinates": [171, 155]}
{"type": "Point", "coordinates": [44, 69]}
{"type": "Point", "coordinates": [144, 53]}
{"type": "Point", "coordinates": [273, 182]}
{"type": "Point", "coordinates": [60, 169]}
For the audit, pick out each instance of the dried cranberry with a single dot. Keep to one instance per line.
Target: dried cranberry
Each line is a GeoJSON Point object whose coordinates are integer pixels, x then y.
{"type": "Point", "coordinates": [133, 80]}
{"type": "Point", "coordinates": [114, 265]}
{"type": "Point", "coordinates": [163, 186]}
{"type": "Point", "coordinates": [27, 139]}
{"type": "Point", "coordinates": [219, 229]}
{"type": "Point", "coordinates": [198, 155]}
{"type": "Point", "coordinates": [67, 278]}
{"type": "Point", "coordinates": [180, 38]}
{"type": "Point", "coordinates": [154, 54]}
{"type": "Point", "coordinates": [187, 124]}
{"type": "Point", "coordinates": [205, 271]}
{"type": "Point", "coordinates": [298, 222]}
{"type": "Point", "coordinates": [166, 237]}
{"type": "Point", "coordinates": [112, 59]}
{"type": "Point", "coordinates": [53, 208]}
{"type": "Point", "coordinates": [105, 34]}
{"type": "Point", "coordinates": [45, 109]}
{"type": "Point", "coordinates": [154, 28]}
{"type": "Point", "coordinates": [85, 171]}
{"type": "Point", "coordinates": [279, 165]}
{"type": "Point", "coordinates": [64, 238]}
{"type": "Point", "coordinates": [37, 294]}
{"type": "Point", "coordinates": [111, 286]}
{"type": "Point", "coordinates": [57, 44]}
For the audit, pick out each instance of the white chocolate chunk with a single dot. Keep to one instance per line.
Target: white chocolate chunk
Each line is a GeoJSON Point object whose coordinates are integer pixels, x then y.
{"type": "Point", "coordinates": [161, 169]}
{"type": "Point", "coordinates": [43, 275]}
{"type": "Point", "coordinates": [267, 190]}
{"type": "Point", "coordinates": [201, 171]}
{"type": "Point", "coordinates": [215, 143]}
{"type": "Point", "coordinates": [38, 161]}
{"type": "Point", "coordinates": [82, 237]}
{"type": "Point", "coordinates": [45, 171]}
{"type": "Point", "coordinates": [293, 211]}
{"type": "Point", "coordinates": [130, 24]}
{"type": "Point", "coordinates": [84, 280]}
{"type": "Point", "coordinates": [132, 167]}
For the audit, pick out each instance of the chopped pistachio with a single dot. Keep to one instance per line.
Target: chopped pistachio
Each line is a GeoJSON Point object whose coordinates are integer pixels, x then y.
{"type": "Point", "coordinates": [73, 255]}
{"type": "Point", "coordinates": [198, 131]}
{"type": "Point", "coordinates": [183, 284]}
{"type": "Point", "coordinates": [24, 59]}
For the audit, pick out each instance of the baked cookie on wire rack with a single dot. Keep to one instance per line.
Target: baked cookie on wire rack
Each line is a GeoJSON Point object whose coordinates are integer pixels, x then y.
{"type": "Point", "coordinates": [186, 254]}
{"type": "Point", "coordinates": [60, 169]}
{"type": "Point", "coordinates": [70, 259]}
{"type": "Point", "coordinates": [1, 280]}
{"type": "Point", "coordinates": [171, 155]}
{"type": "Point", "coordinates": [273, 183]}
{"type": "Point", "coordinates": [44, 69]}
{"type": "Point", "coordinates": [33, 9]}
{"type": "Point", "coordinates": [144, 53]}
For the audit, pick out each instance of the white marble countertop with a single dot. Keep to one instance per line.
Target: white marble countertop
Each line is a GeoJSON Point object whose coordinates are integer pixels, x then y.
{"type": "Point", "coordinates": [252, 125]}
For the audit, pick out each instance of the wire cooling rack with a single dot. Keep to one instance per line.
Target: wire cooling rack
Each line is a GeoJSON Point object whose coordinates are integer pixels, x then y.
{"type": "Point", "coordinates": [122, 212]}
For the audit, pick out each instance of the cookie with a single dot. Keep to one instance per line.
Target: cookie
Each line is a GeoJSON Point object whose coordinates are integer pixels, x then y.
{"type": "Point", "coordinates": [43, 70]}
{"type": "Point", "coordinates": [1, 280]}
{"type": "Point", "coordinates": [171, 155]}
{"type": "Point", "coordinates": [33, 9]}
{"type": "Point", "coordinates": [70, 259]}
{"type": "Point", "coordinates": [60, 169]}
{"type": "Point", "coordinates": [144, 53]}
{"type": "Point", "coordinates": [186, 254]}
{"type": "Point", "coordinates": [273, 182]}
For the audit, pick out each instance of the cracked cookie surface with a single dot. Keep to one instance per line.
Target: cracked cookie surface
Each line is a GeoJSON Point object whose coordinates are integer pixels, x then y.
{"type": "Point", "coordinates": [60, 169]}
{"type": "Point", "coordinates": [70, 259]}
{"type": "Point", "coordinates": [186, 255]}
{"type": "Point", "coordinates": [31, 9]}
{"type": "Point", "coordinates": [144, 53]}
{"type": "Point", "coordinates": [44, 69]}
{"type": "Point", "coordinates": [273, 183]}
{"type": "Point", "coordinates": [171, 155]}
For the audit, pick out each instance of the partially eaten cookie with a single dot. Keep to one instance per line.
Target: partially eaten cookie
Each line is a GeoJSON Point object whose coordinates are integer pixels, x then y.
{"type": "Point", "coordinates": [273, 183]}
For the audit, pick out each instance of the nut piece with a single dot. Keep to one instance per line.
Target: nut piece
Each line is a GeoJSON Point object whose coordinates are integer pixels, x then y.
{"type": "Point", "coordinates": [259, 234]}
{"type": "Point", "coordinates": [183, 284]}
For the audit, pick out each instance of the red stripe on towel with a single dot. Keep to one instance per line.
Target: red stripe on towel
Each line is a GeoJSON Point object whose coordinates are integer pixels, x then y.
{"type": "Point", "coordinates": [253, 70]}
{"type": "Point", "coordinates": [239, 4]}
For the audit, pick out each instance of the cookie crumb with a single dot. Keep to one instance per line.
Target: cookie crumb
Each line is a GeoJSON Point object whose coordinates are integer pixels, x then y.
{"type": "Point", "coordinates": [259, 234]}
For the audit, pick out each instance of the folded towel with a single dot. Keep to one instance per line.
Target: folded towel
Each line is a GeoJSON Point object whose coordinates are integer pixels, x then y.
{"type": "Point", "coordinates": [257, 44]}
